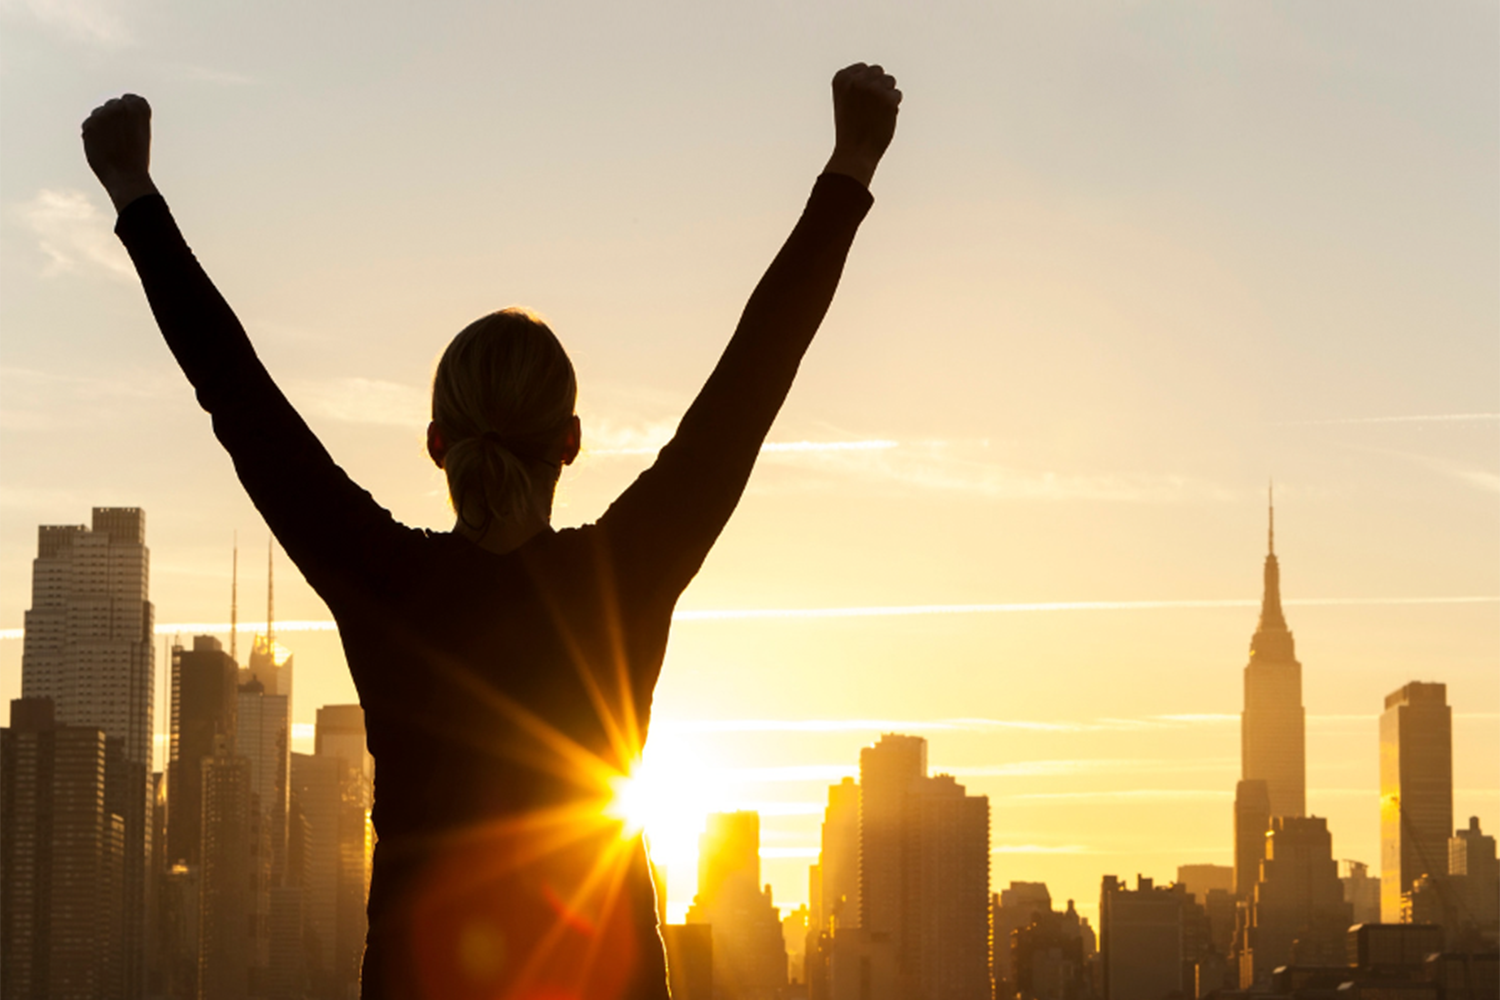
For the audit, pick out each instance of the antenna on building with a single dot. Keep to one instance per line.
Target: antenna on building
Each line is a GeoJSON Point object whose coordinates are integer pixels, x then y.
{"type": "Point", "coordinates": [270, 597]}
{"type": "Point", "coordinates": [1271, 510]}
{"type": "Point", "coordinates": [234, 601]}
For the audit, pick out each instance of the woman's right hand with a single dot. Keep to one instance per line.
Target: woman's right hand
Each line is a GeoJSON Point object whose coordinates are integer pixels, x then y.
{"type": "Point", "coordinates": [117, 143]}
{"type": "Point", "coordinates": [865, 102]}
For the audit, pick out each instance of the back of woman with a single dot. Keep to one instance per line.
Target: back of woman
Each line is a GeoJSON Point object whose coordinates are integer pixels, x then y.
{"type": "Point", "coordinates": [506, 668]}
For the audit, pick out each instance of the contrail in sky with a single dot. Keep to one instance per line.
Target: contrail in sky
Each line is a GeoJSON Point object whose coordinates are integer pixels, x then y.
{"type": "Point", "coordinates": [1430, 418]}
{"type": "Point", "coordinates": [771, 446]}
{"type": "Point", "coordinates": [883, 611]}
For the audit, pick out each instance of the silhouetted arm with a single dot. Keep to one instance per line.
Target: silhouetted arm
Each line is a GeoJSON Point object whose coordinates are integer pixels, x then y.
{"type": "Point", "coordinates": [326, 523]}
{"type": "Point", "coordinates": [663, 525]}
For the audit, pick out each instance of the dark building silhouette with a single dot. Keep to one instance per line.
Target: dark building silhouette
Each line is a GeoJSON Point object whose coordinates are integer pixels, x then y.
{"type": "Point", "coordinates": [1010, 910]}
{"type": "Point", "coordinates": [225, 908]}
{"type": "Point", "coordinates": [1213, 888]}
{"type": "Point", "coordinates": [88, 648]}
{"type": "Point", "coordinates": [690, 960]}
{"type": "Point", "coordinates": [1416, 790]}
{"type": "Point", "coordinates": [204, 711]}
{"type": "Point", "coordinates": [263, 738]}
{"type": "Point", "coordinates": [329, 847]}
{"type": "Point", "coordinates": [340, 735]}
{"type": "Point", "coordinates": [1298, 915]}
{"type": "Point", "coordinates": [1149, 940]}
{"type": "Point", "coordinates": [1361, 892]}
{"type": "Point", "coordinates": [1252, 818]}
{"type": "Point", "coordinates": [1272, 726]}
{"type": "Point", "coordinates": [749, 952]}
{"type": "Point", "coordinates": [62, 858]}
{"type": "Point", "coordinates": [1049, 956]}
{"type": "Point", "coordinates": [1473, 869]}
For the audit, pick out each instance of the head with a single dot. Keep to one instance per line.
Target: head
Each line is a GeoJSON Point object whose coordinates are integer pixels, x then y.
{"type": "Point", "coordinates": [502, 418]}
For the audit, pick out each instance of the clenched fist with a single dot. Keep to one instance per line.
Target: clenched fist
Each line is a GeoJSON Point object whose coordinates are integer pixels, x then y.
{"type": "Point", "coordinates": [117, 143]}
{"type": "Point", "coordinates": [865, 102]}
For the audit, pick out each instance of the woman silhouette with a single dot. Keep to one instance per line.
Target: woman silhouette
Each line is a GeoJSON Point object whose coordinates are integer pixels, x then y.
{"type": "Point", "coordinates": [506, 669]}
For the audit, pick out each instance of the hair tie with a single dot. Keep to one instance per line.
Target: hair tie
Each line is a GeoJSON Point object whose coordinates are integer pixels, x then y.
{"type": "Point", "coordinates": [495, 437]}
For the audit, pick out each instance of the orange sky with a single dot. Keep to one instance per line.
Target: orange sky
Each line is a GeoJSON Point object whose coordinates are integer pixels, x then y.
{"type": "Point", "coordinates": [1126, 263]}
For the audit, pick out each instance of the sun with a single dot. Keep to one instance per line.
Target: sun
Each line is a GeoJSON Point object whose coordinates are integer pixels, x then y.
{"type": "Point", "coordinates": [668, 795]}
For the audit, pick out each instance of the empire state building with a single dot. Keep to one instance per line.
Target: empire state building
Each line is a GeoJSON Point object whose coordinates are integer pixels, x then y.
{"type": "Point", "coordinates": [1272, 726]}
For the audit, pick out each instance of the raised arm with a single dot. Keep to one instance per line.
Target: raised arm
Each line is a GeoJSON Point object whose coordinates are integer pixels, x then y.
{"type": "Point", "coordinates": [662, 527]}
{"type": "Point", "coordinates": [324, 521]}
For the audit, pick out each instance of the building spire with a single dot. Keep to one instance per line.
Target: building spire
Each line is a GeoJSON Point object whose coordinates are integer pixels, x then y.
{"type": "Point", "coordinates": [1271, 511]}
{"type": "Point", "coordinates": [1272, 640]}
{"type": "Point", "coordinates": [234, 602]}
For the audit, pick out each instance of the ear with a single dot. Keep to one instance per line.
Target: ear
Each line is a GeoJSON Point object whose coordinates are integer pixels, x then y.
{"type": "Point", "coordinates": [436, 446]}
{"type": "Point", "coordinates": [572, 441]}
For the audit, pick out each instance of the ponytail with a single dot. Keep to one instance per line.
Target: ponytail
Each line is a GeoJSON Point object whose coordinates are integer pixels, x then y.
{"type": "Point", "coordinates": [502, 398]}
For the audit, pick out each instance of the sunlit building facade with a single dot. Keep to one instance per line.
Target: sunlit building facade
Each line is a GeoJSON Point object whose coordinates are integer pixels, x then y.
{"type": "Point", "coordinates": [1416, 790]}
{"type": "Point", "coordinates": [924, 872]}
{"type": "Point", "coordinates": [88, 648]}
{"type": "Point", "coordinates": [749, 949]}
{"type": "Point", "coordinates": [329, 856]}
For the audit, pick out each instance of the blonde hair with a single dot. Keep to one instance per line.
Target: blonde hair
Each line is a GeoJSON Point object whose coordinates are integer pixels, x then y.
{"type": "Point", "coordinates": [502, 399]}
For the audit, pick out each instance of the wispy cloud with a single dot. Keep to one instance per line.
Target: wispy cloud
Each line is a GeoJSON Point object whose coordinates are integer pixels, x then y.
{"type": "Point", "coordinates": [1426, 418]}
{"type": "Point", "coordinates": [15, 499]}
{"type": "Point", "coordinates": [788, 852]}
{"type": "Point", "coordinates": [742, 614]}
{"type": "Point", "coordinates": [1040, 849]}
{"type": "Point", "coordinates": [206, 74]}
{"type": "Point", "coordinates": [1125, 795]}
{"type": "Point", "coordinates": [98, 22]}
{"type": "Point", "coordinates": [73, 234]}
{"type": "Point", "coordinates": [967, 467]}
{"type": "Point", "coordinates": [1095, 765]}
{"type": "Point", "coordinates": [363, 401]}
{"type": "Point", "coordinates": [888, 611]}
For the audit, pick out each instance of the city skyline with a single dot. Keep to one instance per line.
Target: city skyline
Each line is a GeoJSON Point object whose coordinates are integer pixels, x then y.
{"type": "Point", "coordinates": [678, 816]}
{"type": "Point", "coordinates": [1126, 262]}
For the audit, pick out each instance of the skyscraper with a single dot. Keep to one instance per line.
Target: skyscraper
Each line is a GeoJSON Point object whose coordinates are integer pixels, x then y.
{"type": "Point", "coordinates": [1252, 818]}
{"type": "Point", "coordinates": [331, 801]}
{"type": "Point", "coordinates": [226, 906]}
{"type": "Point", "coordinates": [1142, 945]}
{"type": "Point", "coordinates": [749, 950]}
{"type": "Point", "coordinates": [838, 859]}
{"type": "Point", "coordinates": [204, 710]}
{"type": "Point", "coordinates": [340, 735]}
{"type": "Point", "coordinates": [924, 871]}
{"type": "Point", "coordinates": [1272, 726]}
{"type": "Point", "coordinates": [263, 738]}
{"type": "Point", "coordinates": [62, 859]}
{"type": "Point", "coordinates": [1416, 790]}
{"type": "Point", "coordinates": [1475, 874]}
{"type": "Point", "coordinates": [88, 648]}
{"type": "Point", "coordinates": [1298, 914]}
{"type": "Point", "coordinates": [888, 771]}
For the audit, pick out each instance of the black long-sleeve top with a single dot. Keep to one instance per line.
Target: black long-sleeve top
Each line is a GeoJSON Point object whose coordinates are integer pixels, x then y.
{"type": "Point", "coordinates": [502, 693]}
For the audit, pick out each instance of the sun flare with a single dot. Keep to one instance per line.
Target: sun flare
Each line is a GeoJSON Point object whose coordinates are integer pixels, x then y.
{"type": "Point", "coordinates": [668, 794]}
